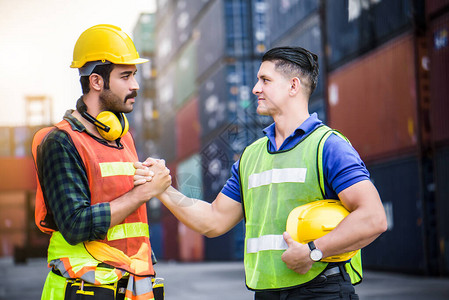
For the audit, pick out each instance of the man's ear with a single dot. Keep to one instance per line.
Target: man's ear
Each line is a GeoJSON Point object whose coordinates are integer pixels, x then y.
{"type": "Point", "coordinates": [295, 86]}
{"type": "Point", "coordinates": [96, 82]}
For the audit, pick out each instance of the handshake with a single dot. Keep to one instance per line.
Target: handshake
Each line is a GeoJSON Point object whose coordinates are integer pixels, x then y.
{"type": "Point", "coordinates": [152, 176]}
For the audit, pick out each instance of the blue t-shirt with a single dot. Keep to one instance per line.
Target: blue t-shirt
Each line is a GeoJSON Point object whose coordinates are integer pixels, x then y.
{"type": "Point", "coordinates": [342, 165]}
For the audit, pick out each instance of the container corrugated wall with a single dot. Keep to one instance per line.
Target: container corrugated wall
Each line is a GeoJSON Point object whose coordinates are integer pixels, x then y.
{"type": "Point", "coordinates": [188, 129]}
{"type": "Point", "coordinates": [436, 6]}
{"type": "Point", "coordinates": [13, 221]}
{"type": "Point", "coordinates": [186, 66]}
{"type": "Point", "coordinates": [218, 156]}
{"type": "Point", "coordinates": [210, 37]}
{"type": "Point", "coordinates": [442, 198]}
{"type": "Point", "coordinates": [372, 100]}
{"type": "Point", "coordinates": [285, 15]}
{"type": "Point", "coordinates": [170, 235]}
{"type": "Point", "coordinates": [439, 78]}
{"type": "Point", "coordinates": [189, 178]}
{"type": "Point", "coordinates": [355, 27]}
{"type": "Point", "coordinates": [401, 247]}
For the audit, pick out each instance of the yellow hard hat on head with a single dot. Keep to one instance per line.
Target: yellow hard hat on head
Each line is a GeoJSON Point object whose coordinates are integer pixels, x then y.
{"type": "Point", "coordinates": [311, 221]}
{"type": "Point", "coordinates": [105, 43]}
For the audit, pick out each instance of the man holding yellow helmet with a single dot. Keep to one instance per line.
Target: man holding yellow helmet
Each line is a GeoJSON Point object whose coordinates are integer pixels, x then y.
{"type": "Point", "coordinates": [299, 161]}
{"type": "Point", "coordinates": [86, 198]}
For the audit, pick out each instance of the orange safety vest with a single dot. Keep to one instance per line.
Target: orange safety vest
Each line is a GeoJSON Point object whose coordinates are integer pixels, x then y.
{"type": "Point", "coordinates": [110, 174]}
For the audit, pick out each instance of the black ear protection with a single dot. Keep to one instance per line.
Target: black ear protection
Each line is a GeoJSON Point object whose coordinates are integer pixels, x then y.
{"type": "Point", "coordinates": [111, 126]}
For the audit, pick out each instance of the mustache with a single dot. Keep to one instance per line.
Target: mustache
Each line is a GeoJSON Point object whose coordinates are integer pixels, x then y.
{"type": "Point", "coordinates": [132, 95]}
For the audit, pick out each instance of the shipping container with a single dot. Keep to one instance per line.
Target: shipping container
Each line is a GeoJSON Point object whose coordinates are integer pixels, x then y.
{"type": "Point", "coordinates": [372, 100]}
{"type": "Point", "coordinates": [434, 7]}
{"type": "Point", "coordinates": [186, 13]}
{"type": "Point", "coordinates": [237, 15]}
{"type": "Point", "coordinates": [165, 85]}
{"type": "Point", "coordinates": [19, 236]}
{"type": "Point", "coordinates": [217, 157]}
{"type": "Point", "coordinates": [156, 239]}
{"type": "Point", "coordinates": [442, 208]}
{"type": "Point", "coordinates": [188, 129]}
{"type": "Point", "coordinates": [308, 36]}
{"type": "Point", "coordinates": [144, 36]}
{"type": "Point", "coordinates": [186, 65]}
{"type": "Point", "coordinates": [228, 246]}
{"type": "Point", "coordinates": [165, 145]}
{"type": "Point", "coordinates": [226, 98]}
{"type": "Point", "coordinates": [164, 7]}
{"type": "Point", "coordinates": [17, 173]}
{"type": "Point", "coordinates": [210, 37]}
{"type": "Point", "coordinates": [356, 27]}
{"type": "Point", "coordinates": [166, 45]}
{"type": "Point", "coordinates": [189, 180]}
{"type": "Point", "coordinates": [401, 247]}
{"type": "Point", "coordinates": [439, 79]}
{"type": "Point", "coordinates": [170, 236]}
{"type": "Point", "coordinates": [214, 106]}
{"type": "Point", "coordinates": [260, 26]}
{"type": "Point", "coordinates": [6, 138]}
{"type": "Point", "coordinates": [287, 15]}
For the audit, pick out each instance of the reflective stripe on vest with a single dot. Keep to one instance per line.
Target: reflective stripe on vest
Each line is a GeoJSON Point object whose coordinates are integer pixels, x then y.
{"type": "Point", "coordinates": [266, 242]}
{"type": "Point", "coordinates": [128, 230]}
{"type": "Point", "coordinates": [277, 176]}
{"type": "Point", "coordinates": [117, 168]}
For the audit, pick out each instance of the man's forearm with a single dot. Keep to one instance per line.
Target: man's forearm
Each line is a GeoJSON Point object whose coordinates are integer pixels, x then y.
{"type": "Point", "coordinates": [194, 213]}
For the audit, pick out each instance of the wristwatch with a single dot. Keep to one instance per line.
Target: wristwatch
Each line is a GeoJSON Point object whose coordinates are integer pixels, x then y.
{"type": "Point", "coordinates": [315, 253]}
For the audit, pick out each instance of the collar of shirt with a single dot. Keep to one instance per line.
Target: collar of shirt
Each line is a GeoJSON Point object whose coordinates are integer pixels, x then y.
{"type": "Point", "coordinates": [74, 122]}
{"type": "Point", "coordinates": [306, 127]}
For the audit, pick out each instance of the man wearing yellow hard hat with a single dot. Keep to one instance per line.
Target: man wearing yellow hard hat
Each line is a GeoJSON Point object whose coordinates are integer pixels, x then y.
{"type": "Point", "coordinates": [300, 161]}
{"type": "Point", "coordinates": [86, 198]}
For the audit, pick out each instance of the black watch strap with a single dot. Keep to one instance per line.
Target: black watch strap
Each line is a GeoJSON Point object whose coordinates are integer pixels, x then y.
{"type": "Point", "coordinates": [311, 245]}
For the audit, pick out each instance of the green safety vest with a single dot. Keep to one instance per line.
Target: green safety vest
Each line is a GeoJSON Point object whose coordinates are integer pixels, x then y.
{"type": "Point", "coordinates": [273, 184]}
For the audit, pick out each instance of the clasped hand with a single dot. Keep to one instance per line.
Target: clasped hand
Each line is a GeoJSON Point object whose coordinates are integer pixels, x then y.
{"type": "Point", "coordinates": [154, 171]}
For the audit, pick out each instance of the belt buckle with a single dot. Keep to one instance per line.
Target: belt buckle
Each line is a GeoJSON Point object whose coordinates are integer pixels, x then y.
{"type": "Point", "coordinates": [332, 271]}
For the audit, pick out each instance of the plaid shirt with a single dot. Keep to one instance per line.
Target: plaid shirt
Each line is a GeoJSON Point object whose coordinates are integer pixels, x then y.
{"type": "Point", "coordinates": [67, 188]}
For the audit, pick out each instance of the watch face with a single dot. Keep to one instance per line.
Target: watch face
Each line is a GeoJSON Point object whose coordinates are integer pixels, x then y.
{"type": "Point", "coordinates": [316, 255]}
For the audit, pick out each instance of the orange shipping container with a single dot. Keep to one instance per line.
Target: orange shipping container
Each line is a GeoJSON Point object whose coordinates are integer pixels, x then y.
{"type": "Point", "coordinates": [372, 100]}
{"type": "Point", "coordinates": [191, 244]}
{"type": "Point", "coordinates": [13, 221]}
{"type": "Point", "coordinates": [17, 173]}
{"type": "Point", "coordinates": [439, 79]}
{"type": "Point", "coordinates": [188, 129]}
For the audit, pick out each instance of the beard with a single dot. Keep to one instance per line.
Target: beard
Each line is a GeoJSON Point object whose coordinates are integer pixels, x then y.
{"type": "Point", "coordinates": [111, 102]}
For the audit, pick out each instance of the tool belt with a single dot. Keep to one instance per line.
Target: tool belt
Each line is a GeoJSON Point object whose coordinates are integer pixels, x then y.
{"type": "Point", "coordinates": [78, 289]}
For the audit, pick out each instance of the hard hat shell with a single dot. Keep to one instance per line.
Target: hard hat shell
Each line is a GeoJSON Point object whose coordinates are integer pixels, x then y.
{"type": "Point", "coordinates": [311, 221]}
{"type": "Point", "coordinates": [105, 43]}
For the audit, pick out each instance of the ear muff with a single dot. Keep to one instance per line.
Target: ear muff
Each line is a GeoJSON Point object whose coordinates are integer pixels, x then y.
{"type": "Point", "coordinates": [117, 123]}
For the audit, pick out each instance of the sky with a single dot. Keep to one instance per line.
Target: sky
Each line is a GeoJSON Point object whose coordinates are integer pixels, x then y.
{"type": "Point", "coordinates": [36, 48]}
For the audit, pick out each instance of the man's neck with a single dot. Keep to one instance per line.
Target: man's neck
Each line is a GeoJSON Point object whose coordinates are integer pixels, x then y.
{"type": "Point", "coordinates": [284, 127]}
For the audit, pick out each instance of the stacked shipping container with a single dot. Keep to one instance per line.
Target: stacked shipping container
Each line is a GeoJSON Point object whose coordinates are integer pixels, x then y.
{"type": "Point", "coordinates": [438, 40]}
{"type": "Point", "coordinates": [19, 236]}
{"type": "Point", "coordinates": [374, 86]}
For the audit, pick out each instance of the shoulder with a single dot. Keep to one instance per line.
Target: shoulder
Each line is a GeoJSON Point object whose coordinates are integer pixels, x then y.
{"type": "Point", "coordinates": [342, 164]}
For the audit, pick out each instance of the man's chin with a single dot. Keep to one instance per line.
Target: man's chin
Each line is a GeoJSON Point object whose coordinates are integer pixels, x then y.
{"type": "Point", "coordinates": [262, 112]}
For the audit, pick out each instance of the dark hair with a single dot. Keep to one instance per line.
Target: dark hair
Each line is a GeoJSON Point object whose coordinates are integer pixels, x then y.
{"type": "Point", "coordinates": [295, 61]}
{"type": "Point", "coordinates": [103, 70]}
